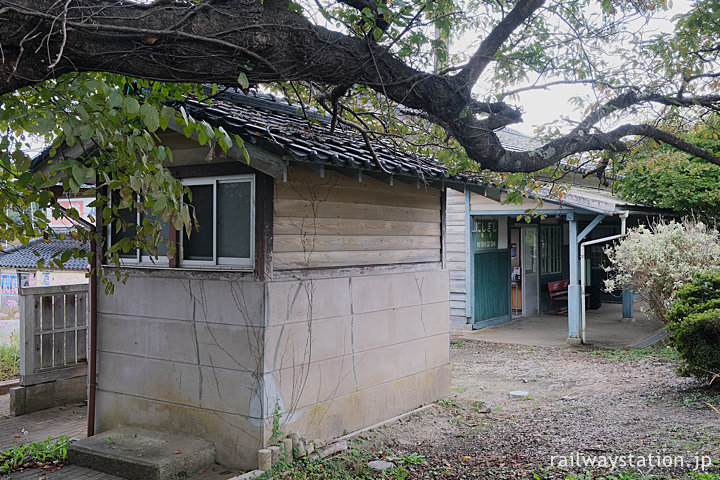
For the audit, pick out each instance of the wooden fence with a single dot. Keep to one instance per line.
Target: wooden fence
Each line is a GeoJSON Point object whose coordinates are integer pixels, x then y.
{"type": "Point", "coordinates": [53, 333]}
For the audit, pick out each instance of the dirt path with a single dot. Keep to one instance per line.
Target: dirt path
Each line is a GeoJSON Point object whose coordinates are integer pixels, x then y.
{"type": "Point", "coordinates": [579, 406]}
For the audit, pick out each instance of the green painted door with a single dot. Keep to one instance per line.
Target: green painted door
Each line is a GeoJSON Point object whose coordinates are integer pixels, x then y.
{"type": "Point", "coordinates": [492, 288]}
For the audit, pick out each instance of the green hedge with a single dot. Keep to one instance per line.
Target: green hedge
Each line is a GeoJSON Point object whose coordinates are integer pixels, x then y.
{"type": "Point", "coordinates": [694, 327]}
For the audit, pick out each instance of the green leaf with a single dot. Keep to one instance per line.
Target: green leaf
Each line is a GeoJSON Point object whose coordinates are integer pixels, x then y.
{"type": "Point", "coordinates": [115, 99]}
{"type": "Point", "coordinates": [78, 174]}
{"type": "Point", "coordinates": [132, 107]}
{"type": "Point", "coordinates": [150, 117]}
{"type": "Point", "coordinates": [166, 114]}
{"type": "Point", "coordinates": [46, 124]}
{"type": "Point", "coordinates": [243, 81]}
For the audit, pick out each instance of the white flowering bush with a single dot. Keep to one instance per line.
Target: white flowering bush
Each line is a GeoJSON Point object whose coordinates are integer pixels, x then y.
{"type": "Point", "coordinates": [658, 260]}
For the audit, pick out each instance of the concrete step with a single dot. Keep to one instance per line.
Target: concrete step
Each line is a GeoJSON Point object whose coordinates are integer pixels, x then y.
{"type": "Point", "coordinates": [139, 454]}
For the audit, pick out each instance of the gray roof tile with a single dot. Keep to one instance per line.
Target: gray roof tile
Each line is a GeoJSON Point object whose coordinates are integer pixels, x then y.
{"type": "Point", "coordinates": [27, 256]}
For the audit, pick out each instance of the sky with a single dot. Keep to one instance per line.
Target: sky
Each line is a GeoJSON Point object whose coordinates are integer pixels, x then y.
{"type": "Point", "coordinates": [543, 106]}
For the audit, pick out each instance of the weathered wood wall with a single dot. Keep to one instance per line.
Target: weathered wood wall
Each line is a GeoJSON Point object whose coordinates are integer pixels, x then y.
{"type": "Point", "coordinates": [455, 243]}
{"type": "Point", "coordinates": [336, 221]}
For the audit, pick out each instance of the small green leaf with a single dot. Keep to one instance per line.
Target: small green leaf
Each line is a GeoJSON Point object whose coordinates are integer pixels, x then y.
{"type": "Point", "coordinates": [115, 99]}
{"type": "Point", "coordinates": [150, 117]}
{"type": "Point", "coordinates": [78, 174]}
{"type": "Point", "coordinates": [243, 81]}
{"type": "Point", "coordinates": [132, 107]}
{"type": "Point", "coordinates": [45, 124]}
{"type": "Point", "coordinates": [166, 114]}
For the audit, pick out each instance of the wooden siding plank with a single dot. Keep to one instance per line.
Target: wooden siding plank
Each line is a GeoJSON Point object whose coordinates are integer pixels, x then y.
{"type": "Point", "coordinates": [456, 247]}
{"type": "Point", "coordinates": [302, 208]}
{"type": "Point", "coordinates": [350, 226]}
{"type": "Point", "coordinates": [457, 230]}
{"type": "Point", "coordinates": [292, 260]}
{"type": "Point", "coordinates": [328, 243]}
{"type": "Point", "coordinates": [333, 193]}
{"type": "Point", "coordinates": [456, 256]}
{"type": "Point", "coordinates": [299, 176]}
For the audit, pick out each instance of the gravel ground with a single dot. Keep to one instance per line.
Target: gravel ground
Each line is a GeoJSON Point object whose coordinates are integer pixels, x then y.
{"type": "Point", "coordinates": [580, 405]}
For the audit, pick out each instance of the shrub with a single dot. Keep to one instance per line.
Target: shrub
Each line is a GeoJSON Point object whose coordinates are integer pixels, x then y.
{"type": "Point", "coordinates": [10, 359]}
{"type": "Point", "coordinates": [657, 261]}
{"type": "Point", "coordinates": [694, 326]}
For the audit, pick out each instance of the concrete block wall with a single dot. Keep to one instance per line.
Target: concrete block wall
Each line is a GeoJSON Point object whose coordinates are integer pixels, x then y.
{"type": "Point", "coordinates": [212, 357]}
{"type": "Point", "coordinates": [345, 353]}
{"type": "Point", "coordinates": [184, 355]}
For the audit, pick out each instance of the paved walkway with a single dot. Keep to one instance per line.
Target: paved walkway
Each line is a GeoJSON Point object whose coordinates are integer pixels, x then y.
{"type": "Point", "coordinates": [69, 420]}
{"type": "Point", "coordinates": [604, 329]}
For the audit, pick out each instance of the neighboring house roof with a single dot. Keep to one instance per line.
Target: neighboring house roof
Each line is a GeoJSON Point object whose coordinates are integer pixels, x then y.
{"type": "Point", "coordinates": [597, 201]}
{"type": "Point", "coordinates": [27, 256]}
{"type": "Point", "coordinates": [517, 141]}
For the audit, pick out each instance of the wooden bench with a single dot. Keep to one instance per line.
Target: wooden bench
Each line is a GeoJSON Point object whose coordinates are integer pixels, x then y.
{"type": "Point", "coordinates": [559, 292]}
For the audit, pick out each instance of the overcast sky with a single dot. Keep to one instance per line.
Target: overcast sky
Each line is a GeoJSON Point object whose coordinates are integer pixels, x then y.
{"type": "Point", "coordinates": [543, 106]}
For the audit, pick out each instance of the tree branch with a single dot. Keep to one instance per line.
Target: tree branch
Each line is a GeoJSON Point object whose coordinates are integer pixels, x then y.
{"type": "Point", "coordinates": [487, 49]}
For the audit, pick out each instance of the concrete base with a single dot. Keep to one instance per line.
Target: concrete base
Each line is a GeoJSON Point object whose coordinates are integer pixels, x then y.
{"type": "Point", "coordinates": [603, 329]}
{"type": "Point", "coordinates": [573, 341]}
{"type": "Point", "coordinates": [47, 395]}
{"type": "Point", "coordinates": [139, 454]}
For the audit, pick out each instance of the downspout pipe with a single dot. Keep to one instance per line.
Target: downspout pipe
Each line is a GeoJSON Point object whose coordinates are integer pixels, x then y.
{"type": "Point", "coordinates": [95, 239]}
{"type": "Point", "coordinates": [92, 354]}
{"type": "Point", "coordinates": [623, 231]}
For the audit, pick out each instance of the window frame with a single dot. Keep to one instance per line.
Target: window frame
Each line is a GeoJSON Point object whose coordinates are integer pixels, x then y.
{"type": "Point", "coordinates": [222, 262]}
{"type": "Point", "coordinates": [140, 259]}
{"type": "Point", "coordinates": [551, 251]}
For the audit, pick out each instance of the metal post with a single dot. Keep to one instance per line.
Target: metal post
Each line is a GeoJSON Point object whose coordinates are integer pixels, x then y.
{"type": "Point", "coordinates": [574, 286]}
{"type": "Point", "coordinates": [628, 311]}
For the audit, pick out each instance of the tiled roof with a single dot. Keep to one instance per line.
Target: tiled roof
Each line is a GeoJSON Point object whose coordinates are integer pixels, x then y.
{"type": "Point", "coordinates": [277, 126]}
{"type": "Point", "coordinates": [27, 256]}
{"type": "Point", "coordinates": [517, 141]}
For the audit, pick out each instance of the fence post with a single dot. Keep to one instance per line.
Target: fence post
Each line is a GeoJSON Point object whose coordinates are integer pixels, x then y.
{"type": "Point", "coordinates": [29, 345]}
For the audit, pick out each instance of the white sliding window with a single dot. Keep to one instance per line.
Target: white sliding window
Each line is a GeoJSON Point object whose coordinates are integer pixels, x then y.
{"type": "Point", "coordinates": [225, 211]}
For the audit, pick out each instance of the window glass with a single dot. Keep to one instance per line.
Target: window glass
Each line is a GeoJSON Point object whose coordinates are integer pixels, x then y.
{"type": "Point", "coordinates": [199, 244]}
{"type": "Point", "coordinates": [233, 219]}
{"type": "Point", "coordinates": [550, 249]}
{"type": "Point", "coordinates": [530, 250]}
{"type": "Point", "coordinates": [163, 238]}
{"type": "Point", "coordinates": [128, 227]}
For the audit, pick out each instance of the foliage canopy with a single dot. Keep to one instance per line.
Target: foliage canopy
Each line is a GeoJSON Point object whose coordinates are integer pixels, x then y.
{"type": "Point", "coordinates": [670, 179]}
